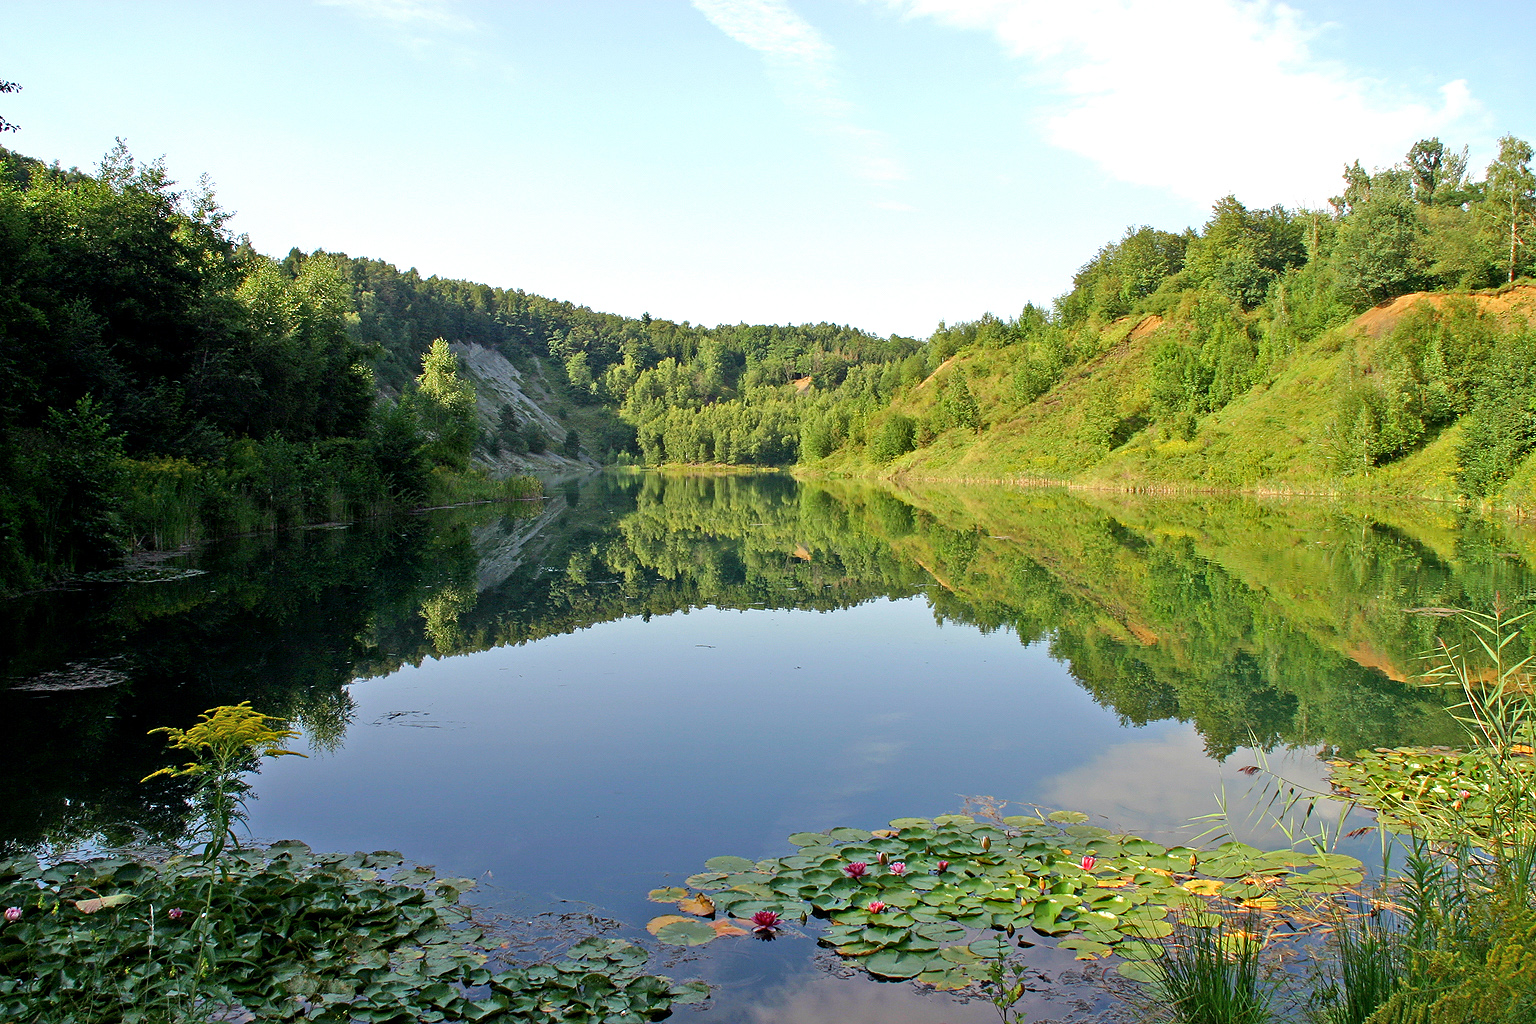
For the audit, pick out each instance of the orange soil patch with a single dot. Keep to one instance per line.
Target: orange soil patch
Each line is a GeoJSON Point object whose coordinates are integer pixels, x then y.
{"type": "Point", "coordinates": [1379, 321]}
{"type": "Point", "coordinates": [942, 367]}
{"type": "Point", "coordinates": [1146, 327]}
{"type": "Point", "coordinates": [801, 383]}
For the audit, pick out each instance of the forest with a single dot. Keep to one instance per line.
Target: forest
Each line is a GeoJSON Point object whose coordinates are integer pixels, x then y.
{"type": "Point", "coordinates": [161, 381]}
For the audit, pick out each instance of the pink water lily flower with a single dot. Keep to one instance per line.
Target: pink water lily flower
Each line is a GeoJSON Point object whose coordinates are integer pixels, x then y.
{"type": "Point", "coordinates": [1088, 862]}
{"type": "Point", "coordinates": [765, 921]}
{"type": "Point", "coordinates": [943, 866]}
{"type": "Point", "coordinates": [898, 867]}
{"type": "Point", "coordinates": [875, 906]}
{"type": "Point", "coordinates": [856, 870]}
{"type": "Point", "coordinates": [13, 913]}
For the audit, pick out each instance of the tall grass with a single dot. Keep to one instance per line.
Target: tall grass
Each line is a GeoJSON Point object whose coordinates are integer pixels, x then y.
{"type": "Point", "coordinates": [1215, 974]}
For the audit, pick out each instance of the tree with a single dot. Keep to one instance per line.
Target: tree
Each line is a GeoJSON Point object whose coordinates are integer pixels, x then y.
{"type": "Point", "coordinates": [7, 126]}
{"type": "Point", "coordinates": [1510, 198]}
{"type": "Point", "coordinates": [1380, 248]}
{"type": "Point", "coordinates": [1437, 172]}
{"type": "Point", "coordinates": [444, 403]}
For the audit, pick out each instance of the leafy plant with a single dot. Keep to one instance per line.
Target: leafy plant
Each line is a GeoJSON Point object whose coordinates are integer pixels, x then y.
{"type": "Point", "coordinates": [943, 900]}
{"type": "Point", "coordinates": [300, 936]}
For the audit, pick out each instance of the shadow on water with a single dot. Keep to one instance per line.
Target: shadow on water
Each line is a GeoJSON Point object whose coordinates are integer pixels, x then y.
{"type": "Point", "coordinates": [1264, 624]}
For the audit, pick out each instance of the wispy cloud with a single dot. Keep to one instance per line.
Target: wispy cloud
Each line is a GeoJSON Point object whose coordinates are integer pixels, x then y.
{"type": "Point", "coordinates": [804, 69]}
{"type": "Point", "coordinates": [414, 14]}
{"type": "Point", "coordinates": [1204, 97]}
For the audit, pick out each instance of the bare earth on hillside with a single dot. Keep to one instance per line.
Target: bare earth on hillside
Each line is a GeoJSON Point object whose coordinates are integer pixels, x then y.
{"type": "Point", "coordinates": [1377, 322]}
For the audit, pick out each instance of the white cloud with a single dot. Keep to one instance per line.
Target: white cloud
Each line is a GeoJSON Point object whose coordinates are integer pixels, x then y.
{"type": "Point", "coordinates": [408, 13]}
{"type": "Point", "coordinates": [1204, 97]}
{"type": "Point", "coordinates": [804, 69]}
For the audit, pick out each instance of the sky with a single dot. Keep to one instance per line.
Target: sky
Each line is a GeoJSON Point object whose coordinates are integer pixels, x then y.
{"type": "Point", "coordinates": [888, 164]}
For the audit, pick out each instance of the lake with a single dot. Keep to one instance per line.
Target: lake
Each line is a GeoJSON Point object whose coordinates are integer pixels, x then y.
{"type": "Point", "coordinates": [580, 700]}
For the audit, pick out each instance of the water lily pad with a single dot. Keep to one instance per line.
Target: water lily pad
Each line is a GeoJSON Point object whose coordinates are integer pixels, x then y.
{"type": "Point", "coordinates": [993, 947]}
{"type": "Point", "coordinates": [1068, 817]}
{"type": "Point", "coordinates": [1086, 831]}
{"type": "Point", "coordinates": [808, 838]}
{"type": "Point", "coordinates": [958, 955]}
{"type": "Point", "coordinates": [656, 924]}
{"type": "Point", "coordinates": [850, 835]}
{"type": "Point", "coordinates": [91, 906]}
{"type": "Point", "coordinates": [892, 964]}
{"type": "Point", "coordinates": [1139, 970]}
{"type": "Point", "coordinates": [1138, 949]}
{"type": "Point", "coordinates": [943, 931]}
{"type": "Point", "coordinates": [671, 894]}
{"type": "Point", "coordinates": [706, 879]}
{"type": "Point", "coordinates": [730, 864]}
{"type": "Point", "coordinates": [700, 905]}
{"type": "Point", "coordinates": [686, 933]}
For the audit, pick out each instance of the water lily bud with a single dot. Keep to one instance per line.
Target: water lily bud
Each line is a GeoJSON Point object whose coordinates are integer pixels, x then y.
{"type": "Point", "coordinates": [1088, 862]}
{"type": "Point", "coordinates": [880, 858]}
{"type": "Point", "coordinates": [943, 866]}
{"type": "Point", "coordinates": [986, 843]}
{"type": "Point", "coordinates": [13, 913]}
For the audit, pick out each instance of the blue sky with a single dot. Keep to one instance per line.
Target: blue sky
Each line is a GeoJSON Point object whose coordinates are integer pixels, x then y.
{"type": "Point", "coordinates": [887, 163]}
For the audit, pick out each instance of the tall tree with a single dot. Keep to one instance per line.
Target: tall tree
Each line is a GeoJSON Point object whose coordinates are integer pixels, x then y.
{"type": "Point", "coordinates": [1510, 200]}
{"type": "Point", "coordinates": [1437, 171]}
{"type": "Point", "coordinates": [444, 402]}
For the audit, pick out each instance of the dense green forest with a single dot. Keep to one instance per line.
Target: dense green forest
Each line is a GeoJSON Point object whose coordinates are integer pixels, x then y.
{"type": "Point", "coordinates": [1383, 344]}
{"type": "Point", "coordinates": [162, 381]}
{"type": "Point", "coordinates": [1245, 355]}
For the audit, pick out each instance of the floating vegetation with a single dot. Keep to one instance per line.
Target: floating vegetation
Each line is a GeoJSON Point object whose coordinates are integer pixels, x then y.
{"type": "Point", "coordinates": [944, 900]}
{"type": "Point", "coordinates": [285, 934]}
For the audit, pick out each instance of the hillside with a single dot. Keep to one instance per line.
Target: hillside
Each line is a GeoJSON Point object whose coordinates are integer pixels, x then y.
{"type": "Point", "coordinates": [1280, 436]}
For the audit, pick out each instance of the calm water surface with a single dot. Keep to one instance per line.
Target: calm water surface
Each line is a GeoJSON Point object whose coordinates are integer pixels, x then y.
{"type": "Point", "coordinates": [582, 701]}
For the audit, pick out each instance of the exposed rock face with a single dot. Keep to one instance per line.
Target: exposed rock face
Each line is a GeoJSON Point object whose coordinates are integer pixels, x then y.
{"type": "Point", "coordinates": [500, 385]}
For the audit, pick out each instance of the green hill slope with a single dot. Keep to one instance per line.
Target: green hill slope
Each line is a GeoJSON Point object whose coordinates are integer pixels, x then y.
{"type": "Point", "coordinates": [1099, 426]}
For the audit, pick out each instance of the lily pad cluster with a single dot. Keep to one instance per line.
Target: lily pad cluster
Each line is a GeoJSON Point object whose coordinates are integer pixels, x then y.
{"type": "Point", "coordinates": [941, 900]}
{"type": "Point", "coordinates": [1438, 792]}
{"type": "Point", "coordinates": [287, 934]}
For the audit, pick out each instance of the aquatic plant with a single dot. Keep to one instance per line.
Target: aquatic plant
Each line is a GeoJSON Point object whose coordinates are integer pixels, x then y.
{"type": "Point", "coordinates": [972, 890]}
{"type": "Point", "coordinates": [330, 938]}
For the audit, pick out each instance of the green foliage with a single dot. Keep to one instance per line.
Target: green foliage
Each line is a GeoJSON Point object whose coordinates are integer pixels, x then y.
{"type": "Point", "coordinates": [116, 938]}
{"type": "Point", "coordinates": [893, 438]}
{"type": "Point", "coordinates": [942, 900]}
{"type": "Point", "coordinates": [1214, 974]}
{"type": "Point", "coordinates": [1121, 275]}
{"type": "Point", "coordinates": [1243, 252]}
{"type": "Point", "coordinates": [957, 406]}
{"type": "Point", "coordinates": [1380, 251]}
{"type": "Point", "coordinates": [444, 405]}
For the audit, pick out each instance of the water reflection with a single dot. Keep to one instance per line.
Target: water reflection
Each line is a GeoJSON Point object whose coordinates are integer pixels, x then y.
{"type": "Point", "coordinates": [1259, 624]}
